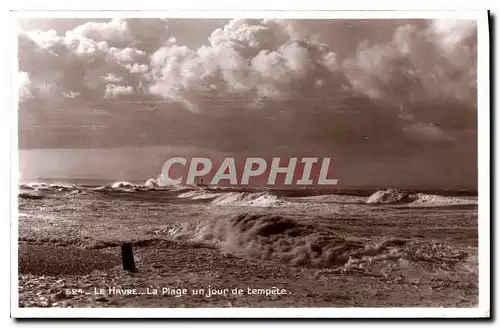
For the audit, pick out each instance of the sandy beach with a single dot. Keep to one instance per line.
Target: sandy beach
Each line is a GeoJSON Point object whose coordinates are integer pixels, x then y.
{"type": "Point", "coordinates": [316, 251]}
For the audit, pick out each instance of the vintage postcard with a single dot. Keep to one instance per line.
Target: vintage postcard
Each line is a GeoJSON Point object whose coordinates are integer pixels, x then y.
{"type": "Point", "coordinates": [251, 164]}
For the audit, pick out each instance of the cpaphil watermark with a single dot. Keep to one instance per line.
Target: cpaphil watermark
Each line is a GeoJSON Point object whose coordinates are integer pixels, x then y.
{"type": "Point", "coordinates": [291, 171]}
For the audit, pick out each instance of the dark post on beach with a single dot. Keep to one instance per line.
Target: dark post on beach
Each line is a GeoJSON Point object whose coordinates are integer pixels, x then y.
{"type": "Point", "coordinates": [128, 258]}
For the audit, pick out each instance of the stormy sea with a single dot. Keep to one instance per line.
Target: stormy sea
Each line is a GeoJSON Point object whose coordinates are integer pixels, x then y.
{"type": "Point", "coordinates": [199, 246]}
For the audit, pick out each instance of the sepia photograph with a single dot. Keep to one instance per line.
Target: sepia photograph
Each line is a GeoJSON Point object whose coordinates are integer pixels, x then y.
{"type": "Point", "coordinates": [251, 162]}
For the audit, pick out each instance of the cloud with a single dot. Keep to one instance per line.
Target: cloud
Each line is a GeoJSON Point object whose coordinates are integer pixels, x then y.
{"type": "Point", "coordinates": [432, 63]}
{"type": "Point", "coordinates": [450, 34]}
{"type": "Point", "coordinates": [24, 86]}
{"type": "Point", "coordinates": [338, 89]}
{"type": "Point", "coordinates": [85, 59]}
{"type": "Point", "coordinates": [71, 94]}
{"type": "Point", "coordinates": [245, 63]}
{"type": "Point", "coordinates": [428, 72]}
{"type": "Point", "coordinates": [30, 88]}
{"type": "Point", "coordinates": [74, 63]}
{"type": "Point", "coordinates": [144, 34]}
{"type": "Point", "coordinates": [418, 64]}
{"type": "Point", "coordinates": [248, 63]}
{"type": "Point", "coordinates": [421, 81]}
{"type": "Point", "coordinates": [429, 131]}
{"type": "Point", "coordinates": [113, 90]}
{"type": "Point", "coordinates": [113, 78]}
{"type": "Point", "coordinates": [115, 31]}
{"type": "Point", "coordinates": [137, 68]}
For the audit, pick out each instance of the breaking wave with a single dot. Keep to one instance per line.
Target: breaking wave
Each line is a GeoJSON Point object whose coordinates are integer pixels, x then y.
{"type": "Point", "coordinates": [284, 239]}
{"type": "Point", "coordinates": [267, 199]}
{"type": "Point", "coordinates": [123, 184]}
{"type": "Point", "coordinates": [389, 196]}
{"type": "Point", "coordinates": [251, 198]}
{"type": "Point", "coordinates": [102, 188]}
{"type": "Point", "coordinates": [395, 196]}
{"type": "Point", "coordinates": [31, 195]}
{"type": "Point", "coordinates": [199, 194]}
{"type": "Point", "coordinates": [259, 199]}
{"type": "Point", "coordinates": [46, 186]}
{"type": "Point", "coordinates": [262, 199]}
{"type": "Point", "coordinates": [152, 183]}
{"type": "Point", "coordinates": [41, 190]}
{"type": "Point", "coordinates": [126, 186]}
{"type": "Point", "coordinates": [424, 199]}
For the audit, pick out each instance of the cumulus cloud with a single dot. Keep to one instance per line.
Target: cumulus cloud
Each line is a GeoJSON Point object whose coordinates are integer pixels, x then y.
{"type": "Point", "coordinates": [113, 90]}
{"type": "Point", "coordinates": [86, 59]}
{"type": "Point", "coordinates": [75, 63]}
{"type": "Point", "coordinates": [426, 72]}
{"type": "Point", "coordinates": [113, 78]}
{"type": "Point", "coordinates": [137, 33]}
{"type": "Point", "coordinates": [30, 88]}
{"type": "Point", "coordinates": [246, 61]}
{"type": "Point", "coordinates": [424, 76]}
{"type": "Point", "coordinates": [114, 31]}
{"type": "Point", "coordinates": [450, 34]}
{"type": "Point", "coordinates": [24, 86]}
{"type": "Point", "coordinates": [138, 68]}
{"type": "Point", "coordinates": [249, 62]}
{"type": "Point", "coordinates": [435, 63]}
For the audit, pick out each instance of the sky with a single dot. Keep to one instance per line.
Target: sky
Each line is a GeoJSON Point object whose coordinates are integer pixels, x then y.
{"type": "Point", "coordinates": [392, 102]}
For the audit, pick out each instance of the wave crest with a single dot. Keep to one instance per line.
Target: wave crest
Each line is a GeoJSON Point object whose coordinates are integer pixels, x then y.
{"type": "Point", "coordinates": [284, 239]}
{"type": "Point", "coordinates": [389, 196]}
{"type": "Point", "coordinates": [254, 199]}
{"type": "Point", "coordinates": [396, 196]}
